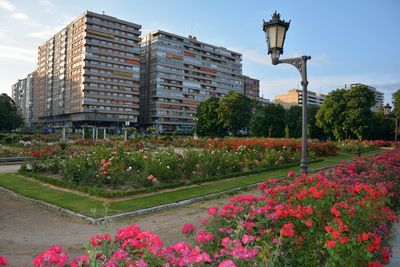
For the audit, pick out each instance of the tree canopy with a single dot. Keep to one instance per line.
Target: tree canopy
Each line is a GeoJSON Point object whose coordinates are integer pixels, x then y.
{"type": "Point", "coordinates": [9, 118]}
{"type": "Point", "coordinates": [268, 121]}
{"type": "Point", "coordinates": [396, 103]}
{"type": "Point", "coordinates": [234, 112]}
{"type": "Point", "coordinates": [207, 118]}
{"type": "Point", "coordinates": [347, 112]}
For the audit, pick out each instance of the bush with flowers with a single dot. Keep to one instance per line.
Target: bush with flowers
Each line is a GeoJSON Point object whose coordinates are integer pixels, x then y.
{"type": "Point", "coordinates": [123, 167]}
{"type": "Point", "coordinates": [341, 217]}
{"type": "Point", "coordinates": [317, 147]}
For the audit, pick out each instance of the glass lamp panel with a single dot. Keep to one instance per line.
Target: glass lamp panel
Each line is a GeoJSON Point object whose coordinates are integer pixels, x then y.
{"type": "Point", "coordinates": [271, 37]}
{"type": "Point", "coordinates": [280, 36]}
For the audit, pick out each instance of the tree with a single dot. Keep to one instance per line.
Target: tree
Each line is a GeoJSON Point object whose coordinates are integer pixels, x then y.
{"type": "Point", "coordinates": [293, 121]}
{"type": "Point", "coordinates": [347, 112]}
{"type": "Point", "coordinates": [396, 103]}
{"type": "Point", "coordinates": [268, 121]}
{"type": "Point", "coordinates": [314, 132]}
{"type": "Point", "coordinates": [207, 118]}
{"type": "Point", "coordinates": [234, 112]}
{"type": "Point", "coordinates": [9, 118]}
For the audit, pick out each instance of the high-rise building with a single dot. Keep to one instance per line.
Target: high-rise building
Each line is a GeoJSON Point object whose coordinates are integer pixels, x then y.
{"type": "Point", "coordinates": [379, 96]}
{"type": "Point", "coordinates": [23, 94]}
{"type": "Point", "coordinates": [251, 87]}
{"type": "Point", "coordinates": [89, 72]}
{"type": "Point", "coordinates": [178, 73]}
{"type": "Point", "coordinates": [294, 97]}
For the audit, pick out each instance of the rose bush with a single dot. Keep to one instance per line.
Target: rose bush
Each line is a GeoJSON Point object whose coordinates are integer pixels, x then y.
{"type": "Point", "coordinates": [341, 217]}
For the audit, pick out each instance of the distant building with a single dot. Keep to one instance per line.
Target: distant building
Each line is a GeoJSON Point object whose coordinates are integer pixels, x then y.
{"type": "Point", "coordinates": [379, 96]}
{"type": "Point", "coordinates": [251, 87]}
{"type": "Point", "coordinates": [23, 96]}
{"type": "Point", "coordinates": [88, 73]}
{"type": "Point", "coordinates": [178, 73]}
{"type": "Point", "coordinates": [295, 98]}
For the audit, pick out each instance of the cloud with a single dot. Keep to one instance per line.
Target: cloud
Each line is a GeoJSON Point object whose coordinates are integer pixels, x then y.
{"type": "Point", "coordinates": [6, 5]}
{"type": "Point", "coordinates": [46, 32]}
{"type": "Point", "coordinates": [18, 53]}
{"type": "Point", "coordinates": [20, 16]}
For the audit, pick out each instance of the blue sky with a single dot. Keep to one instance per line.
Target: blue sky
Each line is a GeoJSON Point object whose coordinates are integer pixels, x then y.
{"type": "Point", "coordinates": [349, 41]}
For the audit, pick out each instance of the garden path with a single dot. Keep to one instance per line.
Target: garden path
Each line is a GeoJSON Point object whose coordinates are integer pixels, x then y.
{"type": "Point", "coordinates": [27, 229]}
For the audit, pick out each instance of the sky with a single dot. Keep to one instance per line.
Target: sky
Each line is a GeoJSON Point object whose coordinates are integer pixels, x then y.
{"type": "Point", "coordinates": [355, 41]}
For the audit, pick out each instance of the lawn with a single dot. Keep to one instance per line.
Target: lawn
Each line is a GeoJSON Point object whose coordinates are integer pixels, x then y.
{"type": "Point", "coordinates": [86, 205]}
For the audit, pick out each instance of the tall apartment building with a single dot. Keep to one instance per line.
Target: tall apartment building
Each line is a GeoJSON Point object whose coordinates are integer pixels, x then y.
{"type": "Point", "coordinates": [178, 73]}
{"type": "Point", "coordinates": [89, 72]}
{"type": "Point", "coordinates": [294, 97]}
{"type": "Point", "coordinates": [23, 96]}
{"type": "Point", "coordinates": [251, 87]}
{"type": "Point", "coordinates": [379, 96]}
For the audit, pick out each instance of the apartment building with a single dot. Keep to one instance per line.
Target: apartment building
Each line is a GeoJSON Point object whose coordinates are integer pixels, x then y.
{"type": "Point", "coordinates": [251, 87]}
{"type": "Point", "coordinates": [294, 97]}
{"type": "Point", "coordinates": [23, 96]}
{"type": "Point", "coordinates": [379, 96]}
{"type": "Point", "coordinates": [89, 73]}
{"type": "Point", "coordinates": [180, 72]}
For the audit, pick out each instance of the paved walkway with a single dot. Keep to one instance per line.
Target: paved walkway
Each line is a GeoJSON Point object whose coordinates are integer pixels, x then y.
{"type": "Point", "coordinates": [395, 260]}
{"type": "Point", "coordinates": [7, 168]}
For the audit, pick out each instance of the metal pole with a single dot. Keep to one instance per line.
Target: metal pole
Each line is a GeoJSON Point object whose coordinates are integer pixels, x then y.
{"type": "Point", "coordinates": [304, 148]}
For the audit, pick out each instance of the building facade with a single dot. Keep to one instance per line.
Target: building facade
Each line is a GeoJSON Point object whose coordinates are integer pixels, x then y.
{"type": "Point", "coordinates": [89, 73]}
{"type": "Point", "coordinates": [251, 87]}
{"type": "Point", "coordinates": [177, 73]}
{"type": "Point", "coordinates": [295, 98]}
{"type": "Point", "coordinates": [23, 96]}
{"type": "Point", "coordinates": [379, 96]}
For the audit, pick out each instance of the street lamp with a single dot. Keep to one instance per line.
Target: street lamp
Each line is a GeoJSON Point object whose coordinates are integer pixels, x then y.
{"type": "Point", "coordinates": [275, 32]}
{"type": "Point", "coordinates": [386, 110]}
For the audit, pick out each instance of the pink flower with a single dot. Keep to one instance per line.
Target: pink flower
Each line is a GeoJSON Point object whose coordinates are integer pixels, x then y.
{"type": "Point", "coordinates": [246, 239]}
{"type": "Point", "coordinates": [227, 263]}
{"type": "Point", "coordinates": [80, 261]}
{"type": "Point", "coordinates": [188, 228]}
{"type": "Point", "coordinates": [55, 255]}
{"type": "Point", "coordinates": [291, 174]}
{"type": "Point", "coordinates": [203, 236]}
{"type": "Point", "coordinates": [212, 210]}
{"type": "Point", "coordinates": [3, 261]}
{"type": "Point", "coordinates": [99, 239]}
{"type": "Point", "coordinates": [309, 223]}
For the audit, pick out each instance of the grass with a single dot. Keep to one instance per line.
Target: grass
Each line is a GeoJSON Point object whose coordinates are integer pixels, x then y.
{"type": "Point", "coordinates": [86, 204]}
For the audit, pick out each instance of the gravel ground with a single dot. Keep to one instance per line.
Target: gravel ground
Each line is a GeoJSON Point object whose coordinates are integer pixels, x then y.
{"type": "Point", "coordinates": [27, 229]}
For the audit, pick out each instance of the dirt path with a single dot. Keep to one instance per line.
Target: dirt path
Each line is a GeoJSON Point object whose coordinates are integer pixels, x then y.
{"type": "Point", "coordinates": [27, 229]}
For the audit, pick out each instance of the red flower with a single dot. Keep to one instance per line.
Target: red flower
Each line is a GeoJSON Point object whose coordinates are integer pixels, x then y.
{"type": "Point", "coordinates": [188, 228]}
{"type": "Point", "coordinates": [287, 230]}
{"type": "Point", "coordinates": [335, 234]}
{"type": "Point", "coordinates": [343, 240]}
{"type": "Point", "coordinates": [309, 223]}
{"type": "Point", "coordinates": [374, 264]}
{"type": "Point", "coordinates": [330, 243]}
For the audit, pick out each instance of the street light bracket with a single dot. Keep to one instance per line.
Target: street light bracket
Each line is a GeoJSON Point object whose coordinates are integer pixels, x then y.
{"type": "Point", "coordinates": [297, 62]}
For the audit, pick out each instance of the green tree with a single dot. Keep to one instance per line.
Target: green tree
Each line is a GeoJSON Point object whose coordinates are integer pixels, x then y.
{"type": "Point", "coordinates": [314, 131]}
{"type": "Point", "coordinates": [207, 118]}
{"type": "Point", "coordinates": [268, 121]}
{"type": "Point", "coordinates": [293, 121]}
{"type": "Point", "coordinates": [396, 103]}
{"type": "Point", "coordinates": [9, 118]}
{"type": "Point", "coordinates": [347, 112]}
{"type": "Point", "coordinates": [234, 112]}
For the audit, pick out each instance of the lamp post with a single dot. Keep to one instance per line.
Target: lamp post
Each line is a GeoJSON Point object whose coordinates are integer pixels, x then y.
{"type": "Point", "coordinates": [275, 32]}
{"type": "Point", "coordinates": [386, 110]}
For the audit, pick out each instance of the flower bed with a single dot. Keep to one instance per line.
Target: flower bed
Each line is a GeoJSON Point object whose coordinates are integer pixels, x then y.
{"type": "Point", "coordinates": [119, 169]}
{"type": "Point", "coordinates": [319, 148]}
{"type": "Point", "coordinates": [357, 146]}
{"type": "Point", "coordinates": [338, 218]}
